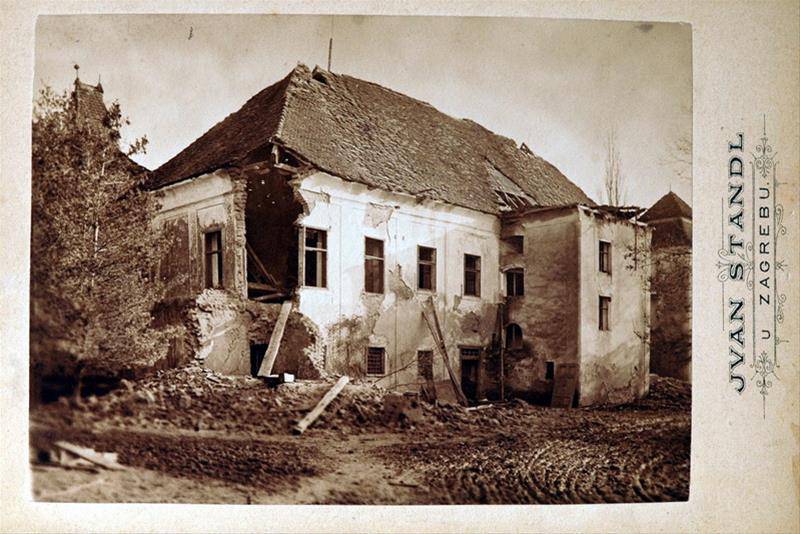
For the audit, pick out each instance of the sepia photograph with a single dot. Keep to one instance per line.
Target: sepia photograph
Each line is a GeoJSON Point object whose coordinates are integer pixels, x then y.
{"type": "Point", "coordinates": [314, 259]}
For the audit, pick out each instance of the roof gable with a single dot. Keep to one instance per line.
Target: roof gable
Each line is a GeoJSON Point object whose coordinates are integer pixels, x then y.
{"type": "Point", "coordinates": [366, 133]}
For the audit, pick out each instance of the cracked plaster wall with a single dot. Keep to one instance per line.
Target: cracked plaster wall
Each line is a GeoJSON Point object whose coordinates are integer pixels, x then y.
{"type": "Point", "coordinates": [350, 320]}
{"type": "Point", "coordinates": [614, 364]}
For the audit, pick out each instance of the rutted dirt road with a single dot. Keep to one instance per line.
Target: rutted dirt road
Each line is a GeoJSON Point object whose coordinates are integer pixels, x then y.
{"type": "Point", "coordinates": [507, 454]}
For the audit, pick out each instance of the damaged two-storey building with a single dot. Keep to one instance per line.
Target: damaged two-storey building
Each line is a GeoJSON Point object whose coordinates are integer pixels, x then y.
{"type": "Point", "coordinates": [364, 208]}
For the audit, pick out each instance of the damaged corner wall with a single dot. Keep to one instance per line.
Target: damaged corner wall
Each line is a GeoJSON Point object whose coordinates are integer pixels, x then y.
{"type": "Point", "coordinates": [223, 328]}
{"type": "Point", "coordinates": [351, 320]}
{"type": "Point", "coordinates": [207, 203]}
{"type": "Point", "coordinates": [548, 313]}
{"type": "Point", "coordinates": [614, 363]}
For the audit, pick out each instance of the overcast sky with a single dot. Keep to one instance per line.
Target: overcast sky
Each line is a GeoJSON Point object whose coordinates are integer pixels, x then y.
{"type": "Point", "coordinates": [559, 86]}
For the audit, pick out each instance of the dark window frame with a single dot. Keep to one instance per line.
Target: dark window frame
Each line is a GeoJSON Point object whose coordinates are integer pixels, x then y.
{"type": "Point", "coordinates": [424, 264]}
{"type": "Point", "coordinates": [369, 260]}
{"type": "Point", "coordinates": [515, 282]}
{"type": "Point", "coordinates": [475, 272]}
{"type": "Point", "coordinates": [320, 253]}
{"type": "Point", "coordinates": [371, 357]}
{"type": "Point", "coordinates": [211, 256]}
{"type": "Point", "coordinates": [604, 256]}
{"type": "Point", "coordinates": [604, 313]}
{"type": "Point", "coordinates": [514, 336]}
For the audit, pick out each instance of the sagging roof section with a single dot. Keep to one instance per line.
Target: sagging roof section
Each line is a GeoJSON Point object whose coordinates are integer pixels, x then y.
{"type": "Point", "coordinates": [365, 133]}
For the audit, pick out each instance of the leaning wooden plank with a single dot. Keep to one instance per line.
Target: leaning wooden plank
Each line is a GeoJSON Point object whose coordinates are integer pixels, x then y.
{"type": "Point", "coordinates": [429, 312]}
{"type": "Point", "coordinates": [260, 265]}
{"type": "Point", "coordinates": [321, 405]}
{"type": "Point", "coordinates": [275, 340]}
{"type": "Point", "coordinates": [90, 455]}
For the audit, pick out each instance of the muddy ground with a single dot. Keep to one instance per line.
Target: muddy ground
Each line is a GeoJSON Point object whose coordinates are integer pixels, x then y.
{"type": "Point", "coordinates": [191, 436]}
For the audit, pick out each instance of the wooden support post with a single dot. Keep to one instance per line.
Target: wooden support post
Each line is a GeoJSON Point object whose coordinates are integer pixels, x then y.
{"type": "Point", "coordinates": [275, 340]}
{"type": "Point", "coordinates": [321, 405]}
{"type": "Point", "coordinates": [429, 313]}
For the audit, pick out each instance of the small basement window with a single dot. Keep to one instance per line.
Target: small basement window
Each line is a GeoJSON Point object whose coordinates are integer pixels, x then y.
{"type": "Point", "coordinates": [513, 336]}
{"type": "Point", "coordinates": [315, 257]}
{"type": "Point", "coordinates": [425, 364]}
{"type": "Point", "coordinates": [213, 256]}
{"type": "Point", "coordinates": [426, 268]}
{"type": "Point", "coordinates": [603, 313]}
{"type": "Point", "coordinates": [472, 275]}
{"type": "Point", "coordinates": [373, 265]}
{"type": "Point", "coordinates": [515, 282]}
{"type": "Point", "coordinates": [605, 257]}
{"type": "Point", "coordinates": [376, 361]}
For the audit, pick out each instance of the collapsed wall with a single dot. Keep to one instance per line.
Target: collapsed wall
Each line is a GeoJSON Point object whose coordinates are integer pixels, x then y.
{"type": "Point", "coordinates": [226, 333]}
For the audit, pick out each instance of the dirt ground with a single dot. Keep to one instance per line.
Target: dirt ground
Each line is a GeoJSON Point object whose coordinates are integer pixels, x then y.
{"type": "Point", "coordinates": [191, 436]}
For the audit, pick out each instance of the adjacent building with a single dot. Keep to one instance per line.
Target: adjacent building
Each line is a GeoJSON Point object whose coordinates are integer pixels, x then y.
{"type": "Point", "coordinates": [671, 329]}
{"type": "Point", "coordinates": [361, 206]}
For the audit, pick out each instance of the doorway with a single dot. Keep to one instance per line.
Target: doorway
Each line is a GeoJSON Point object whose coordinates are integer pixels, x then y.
{"type": "Point", "coordinates": [470, 372]}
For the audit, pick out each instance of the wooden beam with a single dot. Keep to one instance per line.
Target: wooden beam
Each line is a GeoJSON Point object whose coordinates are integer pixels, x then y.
{"type": "Point", "coordinates": [261, 287]}
{"type": "Point", "coordinates": [429, 313]}
{"type": "Point", "coordinates": [89, 455]}
{"type": "Point", "coordinates": [321, 405]}
{"type": "Point", "coordinates": [260, 265]}
{"type": "Point", "coordinates": [275, 339]}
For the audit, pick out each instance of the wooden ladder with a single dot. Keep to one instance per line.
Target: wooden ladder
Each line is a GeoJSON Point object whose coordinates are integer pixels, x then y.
{"type": "Point", "coordinates": [429, 313]}
{"type": "Point", "coordinates": [275, 340]}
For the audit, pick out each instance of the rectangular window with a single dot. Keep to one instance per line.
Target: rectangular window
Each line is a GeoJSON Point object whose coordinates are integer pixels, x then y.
{"type": "Point", "coordinates": [472, 275]}
{"type": "Point", "coordinates": [515, 282]}
{"type": "Point", "coordinates": [315, 257]}
{"type": "Point", "coordinates": [605, 257]}
{"type": "Point", "coordinates": [213, 250]}
{"type": "Point", "coordinates": [604, 306]}
{"type": "Point", "coordinates": [376, 361]}
{"type": "Point", "coordinates": [426, 268]}
{"type": "Point", "coordinates": [425, 364]}
{"type": "Point", "coordinates": [373, 265]}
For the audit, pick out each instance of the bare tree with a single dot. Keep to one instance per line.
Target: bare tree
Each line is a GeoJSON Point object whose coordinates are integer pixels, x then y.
{"type": "Point", "coordinates": [614, 180]}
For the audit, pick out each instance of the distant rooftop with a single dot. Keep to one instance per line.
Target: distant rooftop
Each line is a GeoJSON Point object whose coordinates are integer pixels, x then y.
{"type": "Point", "coordinates": [668, 206]}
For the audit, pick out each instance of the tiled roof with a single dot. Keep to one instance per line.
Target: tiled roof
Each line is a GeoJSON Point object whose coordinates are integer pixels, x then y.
{"type": "Point", "coordinates": [668, 206]}
{"type": "Point", "coordinates": [362, 132]}
{"type": "Point", "coordinates": [89, 99]}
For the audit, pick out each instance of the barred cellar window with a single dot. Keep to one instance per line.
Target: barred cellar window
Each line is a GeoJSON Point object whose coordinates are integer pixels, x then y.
{"type": "Point", "coordinates": [604, 306]}
{"type": "Point", "coordinates": [605, 257]}
{"type": "Point", "coordinates": [373, 265]}
{"type": "Point", "coordinates": [315, 257]}
{"type": "Point", "coordinates": [213, 254]}
{"type": "Point", "coordinates": [472, 275]}
{"type": "Point", "coordinates": [376, 361]}
{"type": "Point", "coordinates": [426, 268]}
